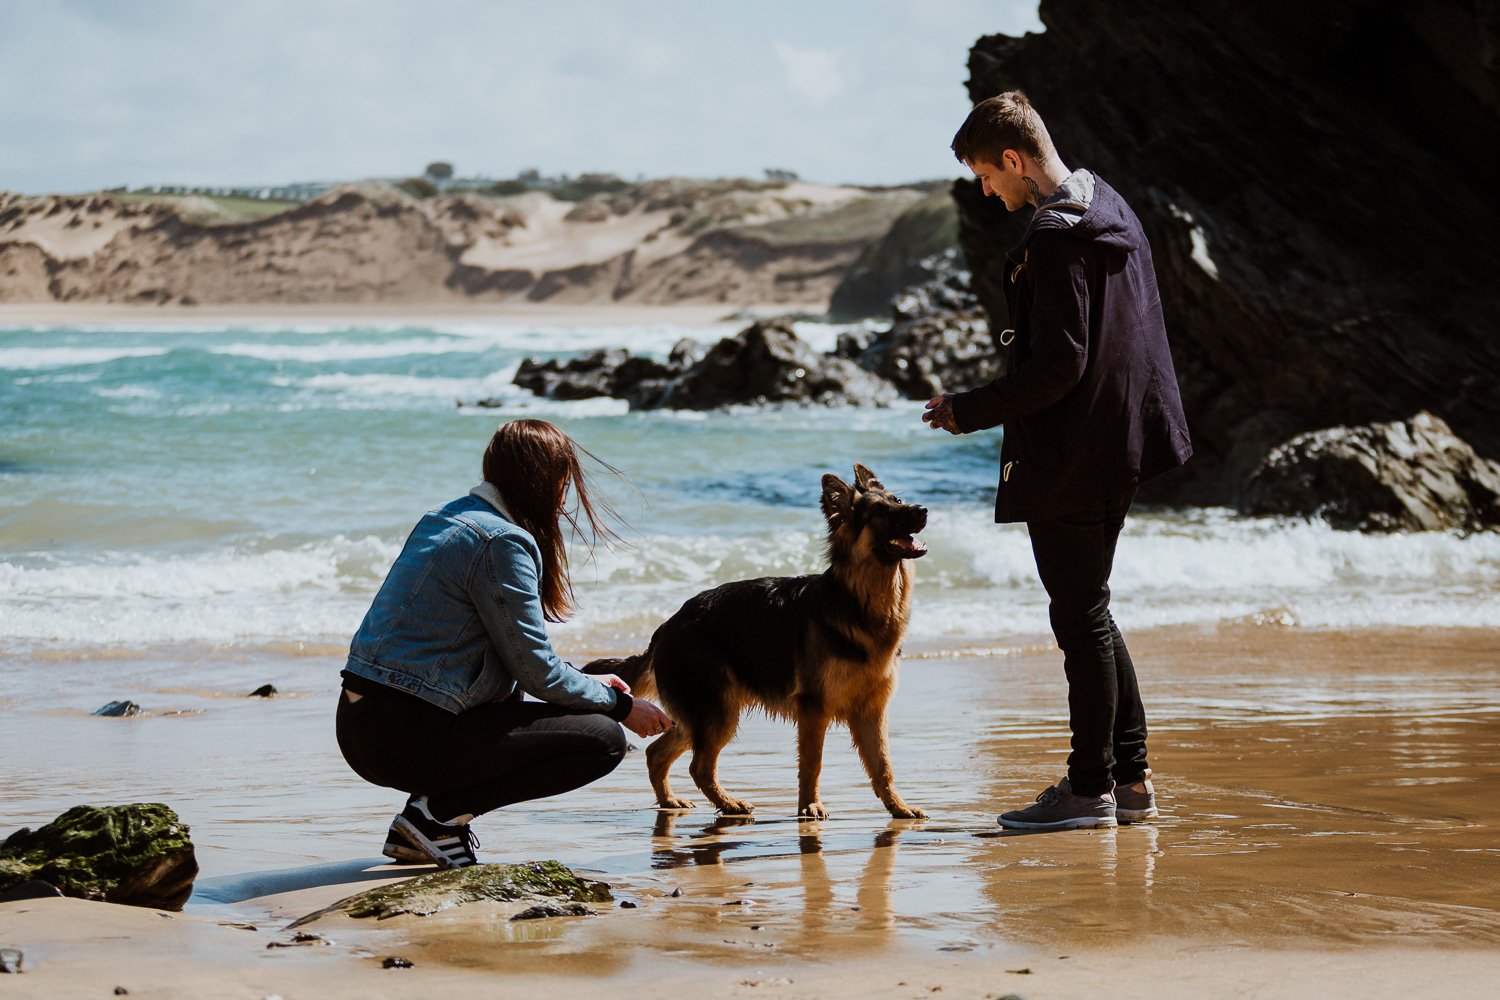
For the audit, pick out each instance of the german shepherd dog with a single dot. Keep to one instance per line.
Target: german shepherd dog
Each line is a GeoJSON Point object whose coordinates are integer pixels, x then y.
{"type": "Point", "coordinates": [813, 649]}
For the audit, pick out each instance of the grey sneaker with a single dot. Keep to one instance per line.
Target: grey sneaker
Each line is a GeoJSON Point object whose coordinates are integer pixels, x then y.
{"type": "Point", "coordinates": [1136, 801]}
{"type": "Point", "coordinates": [1058, 808]}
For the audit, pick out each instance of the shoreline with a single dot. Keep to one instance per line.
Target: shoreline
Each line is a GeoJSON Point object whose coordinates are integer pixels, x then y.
{"type": "Point", "coordinates": [90, 949]}
{"type": "Point", "coordinates": [500, 313]}
{"type": "Point", "coordinates": [1326, 827]}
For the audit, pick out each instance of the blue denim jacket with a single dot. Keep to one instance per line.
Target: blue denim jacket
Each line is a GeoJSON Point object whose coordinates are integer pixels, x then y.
{"type": "Point", "coordinates": [458, 621]}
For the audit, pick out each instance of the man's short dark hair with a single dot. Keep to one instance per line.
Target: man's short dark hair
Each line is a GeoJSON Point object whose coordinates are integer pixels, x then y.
{"type": "Point", "coordinates": [1005, 121]}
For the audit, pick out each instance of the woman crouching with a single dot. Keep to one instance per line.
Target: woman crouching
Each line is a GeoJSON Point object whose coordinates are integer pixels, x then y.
{"type": "Point", "coordinates": [431, 702]}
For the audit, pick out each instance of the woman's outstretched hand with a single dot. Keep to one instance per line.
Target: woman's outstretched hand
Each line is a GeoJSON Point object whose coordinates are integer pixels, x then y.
{"type": "Point", "coordinates": [645, 719]}
{"type": "Point", "coordinates": [614, 681]}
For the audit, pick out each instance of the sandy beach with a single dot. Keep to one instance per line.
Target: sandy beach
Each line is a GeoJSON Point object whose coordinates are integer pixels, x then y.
{"type": "Point", "coordinates": [1327, 830]}
{"type": "Point", "coordinates": [174, 316]}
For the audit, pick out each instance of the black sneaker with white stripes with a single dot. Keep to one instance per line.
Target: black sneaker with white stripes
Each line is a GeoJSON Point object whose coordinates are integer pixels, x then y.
{"type": "Point", "coordinates": [448, 845]}
{"type": "Point", "coordinates": [399, 850]}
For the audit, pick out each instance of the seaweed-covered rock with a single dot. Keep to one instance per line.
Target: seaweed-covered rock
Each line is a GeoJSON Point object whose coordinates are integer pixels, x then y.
{"type": "Point", "coordinates": [530, 881]}
{"type": "Point", "coordinates": [139, 855]}
{"type": "Point", "coordinates": [1409, 475]}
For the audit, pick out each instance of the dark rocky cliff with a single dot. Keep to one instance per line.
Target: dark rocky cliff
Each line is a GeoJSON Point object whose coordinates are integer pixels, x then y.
{"type": "Point", "coordinates": [1318, 182]}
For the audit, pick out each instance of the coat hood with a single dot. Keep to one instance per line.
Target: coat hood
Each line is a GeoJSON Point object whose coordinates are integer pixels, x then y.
{"type": "Point", "coordinates": [1087, 209]}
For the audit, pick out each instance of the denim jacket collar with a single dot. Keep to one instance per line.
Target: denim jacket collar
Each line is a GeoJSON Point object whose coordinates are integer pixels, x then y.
{"type": "Point", "coordinates": [486, 491]}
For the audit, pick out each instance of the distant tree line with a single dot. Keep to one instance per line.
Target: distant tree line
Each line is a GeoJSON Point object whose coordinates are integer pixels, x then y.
{"type": "Point", "coordinates": [439, 177]}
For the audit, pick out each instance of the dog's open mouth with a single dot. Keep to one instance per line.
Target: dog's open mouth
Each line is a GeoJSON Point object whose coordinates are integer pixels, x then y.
{"type": "Point", "coordinates": [908, 547]}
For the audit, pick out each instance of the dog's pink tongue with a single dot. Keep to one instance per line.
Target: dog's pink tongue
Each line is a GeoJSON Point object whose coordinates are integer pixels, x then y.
{"type": "Point", "coordinates": [912, 546]}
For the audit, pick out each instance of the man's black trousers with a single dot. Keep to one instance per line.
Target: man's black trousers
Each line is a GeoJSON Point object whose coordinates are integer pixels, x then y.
{"type": "Point", "coordinates": [1074, 556]}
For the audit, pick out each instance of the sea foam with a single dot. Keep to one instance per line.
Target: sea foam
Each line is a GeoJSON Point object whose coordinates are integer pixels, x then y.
{"type": "Point", "coordinates": [29, 358]}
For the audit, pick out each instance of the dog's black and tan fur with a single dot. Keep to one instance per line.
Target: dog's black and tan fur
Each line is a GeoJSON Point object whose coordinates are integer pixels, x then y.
{"type": "Point", "coordinates": [812, 649]}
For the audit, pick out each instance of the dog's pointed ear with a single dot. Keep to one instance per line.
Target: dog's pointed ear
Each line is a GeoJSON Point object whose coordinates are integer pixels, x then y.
{"type": "Point", "coordinates": [838, 497]}
{"type": "Point", "coordinates": [864, 479]}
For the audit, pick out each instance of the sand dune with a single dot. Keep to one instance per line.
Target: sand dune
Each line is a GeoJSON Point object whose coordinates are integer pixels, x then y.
{"type": "Point", "coordinates": [656, 243]}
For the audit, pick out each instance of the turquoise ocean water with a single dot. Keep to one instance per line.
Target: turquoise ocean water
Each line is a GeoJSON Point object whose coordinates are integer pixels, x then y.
{"type": "Point", "coordinates": [244, 487]}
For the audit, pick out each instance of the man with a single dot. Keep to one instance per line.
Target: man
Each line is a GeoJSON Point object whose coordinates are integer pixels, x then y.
{"type": "Point", "coordinates": [1091, 410]}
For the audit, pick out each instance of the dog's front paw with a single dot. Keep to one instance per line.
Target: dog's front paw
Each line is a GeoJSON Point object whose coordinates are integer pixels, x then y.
{"type": "Point", "coordinates": [904, 811]}
{"type": "Point", "coordinates": [812, 810]}
{"type": "Point", "coordinates": [681, 805]}
{"type": "Point", "coordinates": [734, 807]}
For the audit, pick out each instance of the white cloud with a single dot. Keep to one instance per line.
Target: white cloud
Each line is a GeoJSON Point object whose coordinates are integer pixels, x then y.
{"type": "Point", "coordinates": [182, 91]}
{"type": "Point", "coordinates": [814, 74]}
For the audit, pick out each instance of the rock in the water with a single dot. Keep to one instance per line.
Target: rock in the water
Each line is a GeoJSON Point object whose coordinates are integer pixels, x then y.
{"type": "Point", "coordinates": [942, 353]}
{"type": "Point", "coordinates": [301, 939]}
{"type": "Point", "coordinates": [584, 377]}
{"type": "Point", "coordinates": [397, 962]}
{"type": "Point", "coordinates": [1411, 475]}
{"type": "Point", "coordinates": [264, 691]}
{"type": "Point", "coordinates": [764, 363]}
{"type": "Point", "coordinates": [543, 910]}
{"type": "Point", "coordinates": [531, 881]}
{"type": "Point", "coordinates": [946, 290]}
{"type": "Point", "coordinates": [118, 709]}
{"type": "Point", "coordinates": [1296, 299]}
{"type": "Point", "coordinates": [767, 363]}
{"type": "Point", "coordinates": [11, 960]}
{"type": "Point", "coordinates": [139, 854]}
{"type": "Point", "coordinates": [613, 372]}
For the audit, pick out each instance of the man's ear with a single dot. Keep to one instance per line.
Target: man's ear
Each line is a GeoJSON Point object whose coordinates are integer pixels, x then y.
{"type": "Point", "coordinates": [838, 497]}
{"type": "Point", "coordinates": [1013, 161]}
{"type": "Point", "coordinates": [865, 480]}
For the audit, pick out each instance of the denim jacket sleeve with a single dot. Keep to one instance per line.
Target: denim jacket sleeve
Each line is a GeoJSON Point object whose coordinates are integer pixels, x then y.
{"type": "Point", "coordinates": [505, 588]}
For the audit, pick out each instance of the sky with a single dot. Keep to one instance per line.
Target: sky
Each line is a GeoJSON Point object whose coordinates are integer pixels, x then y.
{"type": "Point", "coordinates": [100, 93]}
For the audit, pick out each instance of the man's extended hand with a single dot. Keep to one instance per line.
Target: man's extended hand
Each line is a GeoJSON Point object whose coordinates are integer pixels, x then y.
{"type": "Point", "coordinates": [939, 413]}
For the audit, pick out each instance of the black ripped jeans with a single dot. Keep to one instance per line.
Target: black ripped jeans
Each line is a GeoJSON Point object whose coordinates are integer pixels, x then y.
{"type": "Point", "coordinates": [476, 761]}
{"type": "Point", "coordinates": [1074, 556]}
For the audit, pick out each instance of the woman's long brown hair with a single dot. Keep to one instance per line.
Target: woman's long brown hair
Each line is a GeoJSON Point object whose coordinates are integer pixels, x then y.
{"type": "Point", "coordinates": [534, 465]}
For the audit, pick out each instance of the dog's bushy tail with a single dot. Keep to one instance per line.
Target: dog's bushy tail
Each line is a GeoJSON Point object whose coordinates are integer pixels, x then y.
{"type": "Point", "coordinates": [634, 670]}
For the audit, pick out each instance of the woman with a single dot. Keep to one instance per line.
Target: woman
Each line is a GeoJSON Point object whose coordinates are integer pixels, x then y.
{"type": "Point", "coordinates": [431, 702]}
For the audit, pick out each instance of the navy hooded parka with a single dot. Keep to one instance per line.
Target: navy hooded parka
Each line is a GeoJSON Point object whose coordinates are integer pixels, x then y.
{"type": "Point", "coordinates": [1089, 399]}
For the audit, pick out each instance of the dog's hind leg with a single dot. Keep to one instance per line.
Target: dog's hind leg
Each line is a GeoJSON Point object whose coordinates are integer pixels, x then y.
{"type": "Point", "coordinates": [708, 742]}
{"type": "Point", "coordinates": [660, 756]}
{"type": "Point", "coordinates": [812, 728]}
{"type": "Point", "coordinates": [870, 739]}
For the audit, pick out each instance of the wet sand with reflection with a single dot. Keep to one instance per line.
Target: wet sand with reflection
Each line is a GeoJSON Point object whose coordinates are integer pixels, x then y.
{"type": "Point", "coordinates": [1328, 817]}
